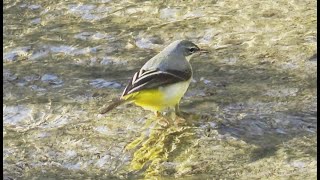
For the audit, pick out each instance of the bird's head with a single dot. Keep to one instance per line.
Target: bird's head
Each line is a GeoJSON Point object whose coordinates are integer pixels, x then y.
{"type": "Point", "coordinates": [185, 48]}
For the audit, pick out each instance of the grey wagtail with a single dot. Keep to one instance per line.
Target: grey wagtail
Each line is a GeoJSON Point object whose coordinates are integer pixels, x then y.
{"type": "Point", "coordinates": [162, 81]}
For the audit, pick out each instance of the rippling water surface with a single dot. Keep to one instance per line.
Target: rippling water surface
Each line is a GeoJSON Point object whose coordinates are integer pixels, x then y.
{"type": "Point", "coordinates": [252, 102]}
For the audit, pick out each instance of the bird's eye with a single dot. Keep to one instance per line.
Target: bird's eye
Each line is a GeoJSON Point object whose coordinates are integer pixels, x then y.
{"type": "Point", "coordinates": [192, 50]}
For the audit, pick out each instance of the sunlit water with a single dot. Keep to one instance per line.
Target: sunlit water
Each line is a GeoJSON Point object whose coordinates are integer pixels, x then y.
{"type": "Point", "coordinates": [251, 104]}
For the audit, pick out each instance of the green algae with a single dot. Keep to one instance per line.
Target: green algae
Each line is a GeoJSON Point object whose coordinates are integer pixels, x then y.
{"type": "Point", "coordinates": [160, 144]}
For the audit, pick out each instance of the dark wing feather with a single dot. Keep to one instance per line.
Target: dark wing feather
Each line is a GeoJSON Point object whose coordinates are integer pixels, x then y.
{"type": "Point", "coordinates": [151, 79]}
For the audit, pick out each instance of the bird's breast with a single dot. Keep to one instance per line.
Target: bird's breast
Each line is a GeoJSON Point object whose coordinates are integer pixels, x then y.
{"type": "Point", "coordinates": [174, 92]}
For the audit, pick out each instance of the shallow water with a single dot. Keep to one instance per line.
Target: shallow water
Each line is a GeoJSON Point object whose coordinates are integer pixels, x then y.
{"type": "Point", "coordinates": [251, 104]}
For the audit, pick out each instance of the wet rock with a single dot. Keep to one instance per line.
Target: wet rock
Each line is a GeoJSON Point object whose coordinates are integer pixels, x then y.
{"type": "Point", "coordinates": [289, 65]}
{"type": "Point", "coordinates": [192, 35]}
{"type": "Point", "coordinates": [40, 53]}
{"type": "Point", "coordinates": [83, 35]}
{"type": "Point", "coordinates": [111, 48]}
{"type": "Point", "coordinates": [294, 122]}
{"type": "Point", "coordinates": [104, 1]}
{"type": "Point", "coordinates": [93, 61]}
{"type": "Point", "coordinates": [169, 13]}
{"type": "Point", "coordinates": [43, 135]}
{"type": "Point", "coordinates": [280, 131]}
{"type": "Point", "coordinates": [86, 11]}
{"type": "Point", "coordinates": [230, 61]}
{"type": "Point", "coordinates": [57, 122]}
{"type": "Point", "coordinates": [37, 88]}
{"type": "Point", "coordinates": [169, 168]}
{"type": "Point", "coordinates": [35, 21]}
{"type": "Point", "coordinates": [112, 60]}
{"type": "Point", "coordinates": [258, 119]}
{"type": "Point", "coordinates": [134, 10]}
{"type": "Point", "coordinates": [212, 125]}
{"type": "Point", "coordinates": [21, 82]}
{"type": "Point", "coordinates": [10, 56]}
{"type": "Point", "coordinates": [93, 36]}
{"type": "Point", "coordinates": [71, 154]}
{"type": "Point", "coordinates": [31, 78]}
{"type": "Point", "coordinates": [195, 93]}
{"type": "Point", "coordinates": [90, 17]}
{"type": "Point", "coordinates": [282, 92]}
{"type": "Point", "coordinates": [102, 130]}
{"type": "Point", "coordinates": [254, 127]}
{"type": "Point", "coordinates": [106, 61]}
{"type": "Point", "coordinates": [62, 49]}
{"type": "Point", "coordinates": [23, 5]}
{"type": "Point", "coordinates": [51, 79]}
{"type": "Point", "coordinates": [208, 36]}
{"type": "Point", "coordinates": [72, 166]}
{"type": "Point", "coordinates": [101, 83]}
{"type": "Point", "coordinates": [311, 39]}
{"type": "Point", "coordinates": [34, 7]}
{"type": "Point", "coordinates": [104, 160]}
{"type": "Point", "coordinates": [298, 164]}
{"type": "Point", "coordinates": [98, 36]}
{"type": "Point", "coordinates": [86, 50]}
{"type": "Point", "coordinates": [196, 13]}
{"type": "Point", "coordinates": [148, 42]}
{"type": "Point", "coordinates": [84, 8]}
{"type": "Point", "coordinates": [205, 81]}
{"type": "Point", "coordinates": [104, 9]}
{"type": "Point", "coordinates": [8, 76]}
{"type": "Point", "coordinates": [15, 114]}
{"type": "Point", "coordinates": [14, 54]}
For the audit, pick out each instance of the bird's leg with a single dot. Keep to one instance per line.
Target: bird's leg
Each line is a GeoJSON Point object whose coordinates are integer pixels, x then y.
{"type": "Point", "coordinates": [177, 109]}
{"type": "Point", "coordinates": [176, 116]}
{"type": "Point", "coordinates": [157, 113]}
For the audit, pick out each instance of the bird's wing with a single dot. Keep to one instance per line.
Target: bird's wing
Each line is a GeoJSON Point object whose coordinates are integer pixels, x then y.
{"type": "Point", "coordinates": [150, 79]}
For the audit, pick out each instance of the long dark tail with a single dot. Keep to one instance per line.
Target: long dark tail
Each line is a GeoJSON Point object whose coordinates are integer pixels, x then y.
{"type": "Point", "coordinates": [115, 103]}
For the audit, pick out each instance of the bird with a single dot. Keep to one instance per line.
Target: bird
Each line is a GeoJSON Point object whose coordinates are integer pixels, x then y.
{"type": "Point", "coordinates": [162, 81]}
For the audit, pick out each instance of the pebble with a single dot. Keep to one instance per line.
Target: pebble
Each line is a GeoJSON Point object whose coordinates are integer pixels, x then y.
{"type": "Point", "coordinates": [101, 83]}
{"type": "Point", "coordinates": [34, 7]}
{"type": "Point", "coordinates": [51, 79]}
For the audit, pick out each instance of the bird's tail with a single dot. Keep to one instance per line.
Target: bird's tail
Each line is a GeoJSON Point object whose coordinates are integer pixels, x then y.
{"type": "Point", "coordinates": [115, 103]}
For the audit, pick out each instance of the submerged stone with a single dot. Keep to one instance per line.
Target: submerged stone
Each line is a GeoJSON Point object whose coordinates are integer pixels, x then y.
{"type": "Point", "coordinates": [15, 114]}
{"type": "Point", "coordinates": [101, 83]}
{"type": "Point", "coordinates": [9, 76]}
{"type": "Point", "coordinates": [15, 53]}
{"type": "Point", "coordinates": [51, 79]}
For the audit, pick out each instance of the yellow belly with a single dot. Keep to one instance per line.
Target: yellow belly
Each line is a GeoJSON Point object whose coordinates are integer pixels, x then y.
{"type": "Point", "coordinates": [161, 98]}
